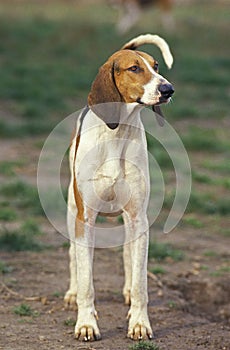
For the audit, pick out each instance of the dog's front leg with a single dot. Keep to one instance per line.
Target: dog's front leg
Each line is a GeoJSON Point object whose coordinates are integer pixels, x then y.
{"type": "Point", "coordinates": [86, 328]}
{"type": "Point", "coordinates": [139, 325]}
{"type": "Point", "coordinates": [127, 258]}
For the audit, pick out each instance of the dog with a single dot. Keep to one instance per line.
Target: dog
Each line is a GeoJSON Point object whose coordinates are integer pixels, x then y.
{"type": "Point", "coordinates": [130, 12]}
{"type": "Point", "coordinates": [110, 175]}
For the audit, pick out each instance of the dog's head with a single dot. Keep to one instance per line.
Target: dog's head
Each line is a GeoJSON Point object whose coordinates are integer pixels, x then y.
{"type": "Point", "coordinates": [132, 77]}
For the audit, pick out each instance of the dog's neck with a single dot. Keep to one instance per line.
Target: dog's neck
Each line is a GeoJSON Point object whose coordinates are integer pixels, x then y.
{"type": "Point", "coordinates": [115, 115]}
{"type": "Point", "coordinates": [130, 113]}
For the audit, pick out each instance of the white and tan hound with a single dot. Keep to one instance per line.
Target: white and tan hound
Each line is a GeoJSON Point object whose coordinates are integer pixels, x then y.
{"type": "Point", "coordinates": [109, 174]}
{"type": "Point", "coordinates": [130, 12]}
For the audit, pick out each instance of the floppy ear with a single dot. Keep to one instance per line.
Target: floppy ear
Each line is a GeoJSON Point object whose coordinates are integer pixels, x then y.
{"type": "Point", "coordinates": [103, 92]}
{"type": "Point", "coordinates": [104, 87]}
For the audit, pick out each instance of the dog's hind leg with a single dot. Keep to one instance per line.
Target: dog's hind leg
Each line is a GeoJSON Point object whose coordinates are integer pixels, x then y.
{"type": "Point", "coordinates": [70, 296]}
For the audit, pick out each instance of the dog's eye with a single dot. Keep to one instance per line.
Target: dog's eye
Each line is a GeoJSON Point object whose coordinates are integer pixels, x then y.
{"type": "Point", "coordinates": [156, 66]}
{"type": "Point", "coordinates": [135, 69]}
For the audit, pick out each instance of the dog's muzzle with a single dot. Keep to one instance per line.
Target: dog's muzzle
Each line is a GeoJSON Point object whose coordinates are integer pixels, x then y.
{"type": "Point", "coordinates": [166, 90]}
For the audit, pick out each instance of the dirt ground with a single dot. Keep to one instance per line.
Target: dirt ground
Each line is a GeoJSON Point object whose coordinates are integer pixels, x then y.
{"type": "Point", "coordinates": [189, 306]}
{"type": "Point", "coordinates": [187, 310]}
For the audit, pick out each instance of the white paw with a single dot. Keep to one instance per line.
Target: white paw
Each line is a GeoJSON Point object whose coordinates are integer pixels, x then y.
{"type": "Point", "coordinates": [86, 328]}
{"type": "Point", "coordinates": [139, 326]}
{"type": "Point", "coordinates": [140, 332]}
{"type": "Point", "coordinates": [87, 333]}
{"type": "Point", "coordinates": [70, 300]}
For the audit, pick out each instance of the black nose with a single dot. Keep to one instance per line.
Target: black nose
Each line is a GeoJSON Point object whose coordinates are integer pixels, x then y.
{"type": "Point", "coordinates": [166, 90]}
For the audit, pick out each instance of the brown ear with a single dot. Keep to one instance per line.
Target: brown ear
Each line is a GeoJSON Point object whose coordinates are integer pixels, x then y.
{"type": "Point", "coordinates": [104, 88]}
{"type": "Point", "coordinates": [103, 92]}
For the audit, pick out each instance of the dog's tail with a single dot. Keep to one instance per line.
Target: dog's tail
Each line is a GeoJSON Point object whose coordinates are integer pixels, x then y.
{"type": "Point", "coordinates": [151, 39]}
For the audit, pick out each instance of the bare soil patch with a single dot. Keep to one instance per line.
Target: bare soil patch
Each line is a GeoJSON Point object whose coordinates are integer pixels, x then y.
{"type": "Point", "coordinates": [188, 310]}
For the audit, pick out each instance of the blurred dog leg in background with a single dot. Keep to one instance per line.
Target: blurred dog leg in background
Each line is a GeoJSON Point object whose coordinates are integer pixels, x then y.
{"type": "Point", "coordinates": [131, 10]}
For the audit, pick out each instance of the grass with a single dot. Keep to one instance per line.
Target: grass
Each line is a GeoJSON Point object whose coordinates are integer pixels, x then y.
{"type": "Point", "coordinates": [161, 251]}
{"type": "Point", "coordinates": [209, 180]}
{"type": "Point", "coordinates": [65, 245]}
{"type": "Point", "coordinates": [225, 232]}
{"type": "Point", "coordinates": [172, 304]}
{"type": "Point", "coordinates": [17, 188]}
{"type": "Point", "coordinates": [70, 322]}
{"type": "Point", "coordinates": [202, 178]}
{"type": "Point", "coordinates": [22, 239]}
{"type": "Point", "coordinates": [193, 221]}
{"type": "Point", "coordinates": [210, 253]}
{"type": "Point", "coordinates": [22, 195]}
{"type": "Point", "coordinates": [57, 294]}
{"type": "Point", "coordinates": [4, 268]}
{"type": "Point", "coordinates": [16, 241]}
{"type": "Point", "coordinates": [46, 69]}
{"type": "Point", "coordinates": [225, 183]}
{"type": "Point", "coordinates": [25, 310]}
{"type": "Point", "coordinates": [8, 214]}
{"type": "Point", "coordinates": [27, 79]}
{"type": "Point", "coordinates": [144, 345]}
{"type": "Point", "coordinates": [224, 269]}
{"type": "Point", "coordinates": [200, 139]}
{"type": "Point", "coordinates": [51, 68]}
{"type": "Point", "coordinates": [222, 167]}
{"type": "Point", "coordinates": [26, 128]}
{"type": "Point", "coordinates": [208, 203]}
{"type": "Point", "coordinates": [159, 152]}
{"type": "Point", "coordinates": [158, 270]}
{"type": "Point", "coordinates": [220, 271]}
{"type": "Point", "coordinates": [30, 227]}
{"type": "Point", "coordinates": [7, 168]}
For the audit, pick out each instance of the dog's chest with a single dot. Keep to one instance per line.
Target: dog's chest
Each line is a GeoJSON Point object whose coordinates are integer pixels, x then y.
{"type": "Point", "coordinates": [102, 156]}
{"type": "Point", "coordinates": [108, 162]}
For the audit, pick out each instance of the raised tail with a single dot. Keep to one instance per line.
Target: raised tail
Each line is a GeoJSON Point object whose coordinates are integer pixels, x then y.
{"type": "Point", "coordinates": [151, 39]}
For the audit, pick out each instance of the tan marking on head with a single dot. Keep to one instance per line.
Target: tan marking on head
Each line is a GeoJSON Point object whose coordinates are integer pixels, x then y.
{"type": "Point", "coordinates": [79, 222]}
{"type": "Point", "coordinates": [129, 82]}
{"type": "Point", "coordinates": [152, 62]}
{"type": "Point", "coordinates": [122, 78]}
{"type": "Point", "coordinates": [116, 83]}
